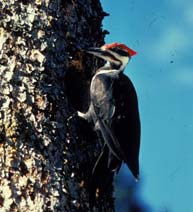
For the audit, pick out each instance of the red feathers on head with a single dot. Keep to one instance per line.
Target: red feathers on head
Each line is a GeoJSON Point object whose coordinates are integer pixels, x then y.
{"type": "Point", "coordinates": [131, 52]}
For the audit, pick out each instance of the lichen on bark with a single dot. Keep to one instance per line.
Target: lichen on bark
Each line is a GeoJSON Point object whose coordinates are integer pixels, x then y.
{"type": "Point", "coordinates": [45, 164]}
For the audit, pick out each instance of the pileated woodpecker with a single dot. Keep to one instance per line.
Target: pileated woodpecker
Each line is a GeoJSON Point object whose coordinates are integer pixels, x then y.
{"type": "Point", "coordinates": [114, 111]}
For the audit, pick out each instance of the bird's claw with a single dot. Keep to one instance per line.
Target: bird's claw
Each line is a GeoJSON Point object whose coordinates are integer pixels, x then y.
{"type": "Point", "coordinates": [71, 117]}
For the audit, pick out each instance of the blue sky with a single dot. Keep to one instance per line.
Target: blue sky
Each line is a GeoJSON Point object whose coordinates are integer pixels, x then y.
{"type": "Point", "coordinates": [162, 33]}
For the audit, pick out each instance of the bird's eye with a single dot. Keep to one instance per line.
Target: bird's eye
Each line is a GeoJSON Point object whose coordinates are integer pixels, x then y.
{"type": "Point", "coordinates": [121, 52]}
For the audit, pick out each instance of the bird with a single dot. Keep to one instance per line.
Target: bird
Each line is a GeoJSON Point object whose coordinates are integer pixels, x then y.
{"type": "Point", "coordinates": [115, 113]}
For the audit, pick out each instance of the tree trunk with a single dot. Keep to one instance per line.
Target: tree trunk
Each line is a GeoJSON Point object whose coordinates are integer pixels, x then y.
{"type": "Point", "coordinates": [45, 163]}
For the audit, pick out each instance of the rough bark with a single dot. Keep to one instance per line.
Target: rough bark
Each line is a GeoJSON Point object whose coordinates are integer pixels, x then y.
{"type": "Point", "coordinates": [45, 163]}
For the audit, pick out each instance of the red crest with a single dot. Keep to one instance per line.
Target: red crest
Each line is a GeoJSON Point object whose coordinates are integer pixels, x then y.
{"type": "Point", "coordinates": [131, 52]}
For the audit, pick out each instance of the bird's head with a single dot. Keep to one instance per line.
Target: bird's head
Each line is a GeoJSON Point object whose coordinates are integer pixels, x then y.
{"type": "Point", "coordinates": [117, 54]}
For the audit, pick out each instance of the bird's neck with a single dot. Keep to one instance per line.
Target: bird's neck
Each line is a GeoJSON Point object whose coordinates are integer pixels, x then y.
{"type": "Point", "coordinates": [110, 70]}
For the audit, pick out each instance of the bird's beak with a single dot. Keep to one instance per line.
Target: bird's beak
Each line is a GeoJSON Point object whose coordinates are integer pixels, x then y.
{"type": "Point", "coordinates": [103, 54]}
{"type": "Point", "coordinates": [98, 52]}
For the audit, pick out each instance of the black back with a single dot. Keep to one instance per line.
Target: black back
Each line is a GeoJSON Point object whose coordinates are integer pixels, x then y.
{"type": "Point", "coordinates": [126, 121]}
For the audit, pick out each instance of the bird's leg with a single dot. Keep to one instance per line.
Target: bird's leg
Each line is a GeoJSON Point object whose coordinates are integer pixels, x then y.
{"type": "Point", "coordinates": [71, 117]}
{"type": "Point", "coordinates": [82, 115]}
{"type": "Point", "coordinates": [86, 116]}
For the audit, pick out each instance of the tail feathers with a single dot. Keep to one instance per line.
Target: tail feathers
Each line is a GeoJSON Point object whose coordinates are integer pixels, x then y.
{"type": "Point", "coordinates": [109, 139]}
{"type": "Point", "coordinates": [134, 168]}
{"type": "Point", "coordinates": [114, 164]}
{"type": "Point", "coordinates": [101, 176]}
{"type": "Point", "coordinates": [118, 153]}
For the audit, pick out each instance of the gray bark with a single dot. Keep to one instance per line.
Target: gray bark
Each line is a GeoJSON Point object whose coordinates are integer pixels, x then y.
{"type": "Point", "coordinates": [45, 163]}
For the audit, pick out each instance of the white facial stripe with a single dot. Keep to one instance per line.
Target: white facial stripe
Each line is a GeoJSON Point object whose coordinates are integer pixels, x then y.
{"type": "Point", "coordinates": [112, 73]}
{"type": "Point", "coordinates": [114, 59]}
{"type": "Point", "coordinates": [123, 59]}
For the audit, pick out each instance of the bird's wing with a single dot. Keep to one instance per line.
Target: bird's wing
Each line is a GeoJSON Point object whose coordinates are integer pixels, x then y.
{"type": "Point", "coordinates": [118, 118]}
{"type": "Point", "coordinates": [126, 122]}
{"type": "Point", "coordinates": [116, 107]}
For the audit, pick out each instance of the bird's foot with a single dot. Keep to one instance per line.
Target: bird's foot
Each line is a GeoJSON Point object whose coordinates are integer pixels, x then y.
{"type": "Point", "coordinates": [71, 117]}
{"type": "Point", "coordinates": [81, 115]}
